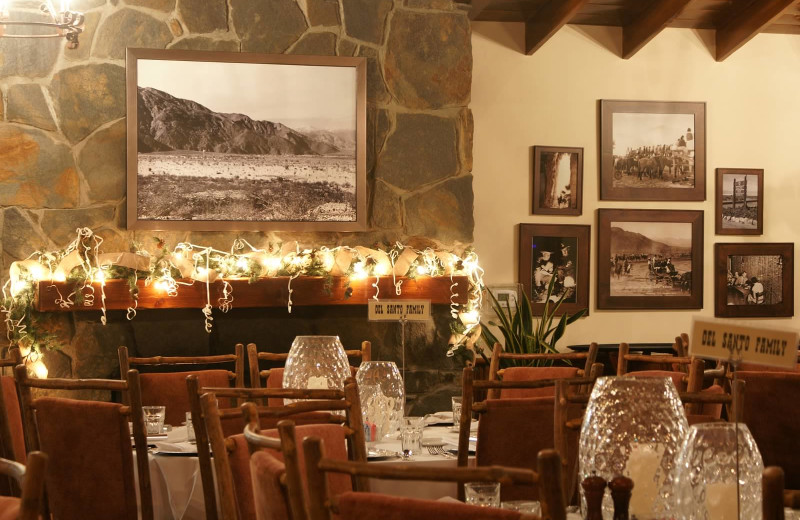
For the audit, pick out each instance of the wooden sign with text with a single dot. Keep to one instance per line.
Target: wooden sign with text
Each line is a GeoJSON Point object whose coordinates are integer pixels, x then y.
{"type": "Point", "coordinates": [395, 310]}
{"type": "Point", "coordinates": [725, 341]}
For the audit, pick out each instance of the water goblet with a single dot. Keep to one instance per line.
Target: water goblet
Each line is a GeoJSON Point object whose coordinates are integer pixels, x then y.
{"type": "Point", "coordinates": [154, 419]}
{"type": "Point", "coordinates": [483, 494]}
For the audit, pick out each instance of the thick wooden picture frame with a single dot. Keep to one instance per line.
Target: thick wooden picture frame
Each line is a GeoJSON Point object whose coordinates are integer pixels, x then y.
{"type": "Point", "coordinates": [555, 250]}
{"type": "Point", "coordinates": [228, 141]}
{"type": "Point", "coordinates": [734, 213]}
{"type": "Point", "coordinates": [649, 259]}
{"type": "Point", "coordinates": [754, 280]}
{"type": "Point", "coordinates": [652, 150]}
{"type": "Point", "coordinates": [552, 164]}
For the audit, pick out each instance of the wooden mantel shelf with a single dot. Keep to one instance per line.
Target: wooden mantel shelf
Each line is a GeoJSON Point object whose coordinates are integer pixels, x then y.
{"type": "Point", "coordinates": [264, 292]}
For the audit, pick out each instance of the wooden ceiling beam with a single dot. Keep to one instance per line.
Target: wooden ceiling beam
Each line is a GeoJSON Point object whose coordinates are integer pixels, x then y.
{"type": "Point", "coordinates": [647, 25]}
{"type": "Point", "coordinates": [477, 7]}
{"type": "Point", "coordinates": [548, 20]}
{"type": "Point", "coordinates": [746, 23]}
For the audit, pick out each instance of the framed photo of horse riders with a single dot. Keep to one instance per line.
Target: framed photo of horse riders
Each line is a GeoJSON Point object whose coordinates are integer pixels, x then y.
{"type": "Point", "coordinates": [649, 259]}
{"type": "Point", "coordinates": [557, 180]}
{"type": "Point", "coordinates": [652, 150]}
{"type": "Point", "coordinates": [754, 280]}
{"type": "Point", "coordinates": [740, 201]}
{"type": "Point", "coordinates": [557, 253]}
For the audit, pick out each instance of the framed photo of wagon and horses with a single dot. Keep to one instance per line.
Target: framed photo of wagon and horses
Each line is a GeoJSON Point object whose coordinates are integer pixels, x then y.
{"type": "Point", "coordinates": [754, 280]}
{"type": "Point", "coordinates": [652, 150]}
{"type": "Point", "coordinates": [740, 201]}
{"type": "Point", "coordinates": [557, 180]}
{"type": "Point", "coordinates": [555, 251]}
{"type": "Point", "coordinates": [649, 259]}
{"type": "Point", "coordinates": [244, 141]}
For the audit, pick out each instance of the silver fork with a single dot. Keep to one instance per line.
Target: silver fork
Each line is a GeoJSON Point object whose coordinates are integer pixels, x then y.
{"type": "Point", "coordinates": [438, 449]}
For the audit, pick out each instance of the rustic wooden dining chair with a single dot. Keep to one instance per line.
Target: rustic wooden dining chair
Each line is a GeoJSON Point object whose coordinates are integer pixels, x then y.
{"type": "Point", "coordinates": [169, 388]}
{"type": "Point", "coordinates": [223, 427]}
{"type": "Point", "coordinates": [90, 472]}
{"type": "Point", "coordinates": [273, 377]}
{"type": "Point", "coordinates": [510, 430]}
{"type": "Point", "coordinates": [12, 436]}
{"type": "Point", "coordinates": [276, 465]}
{"type": "Point", "coordinates": [529, 373]}
{"type": "Point", "coordinates": [30, 479]}
{"type": "Point", "coordinates": [324, 505]}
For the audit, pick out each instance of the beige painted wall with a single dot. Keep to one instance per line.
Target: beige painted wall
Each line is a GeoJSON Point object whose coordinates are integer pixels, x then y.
{"type": "Point", "coordinates": [550, 98]}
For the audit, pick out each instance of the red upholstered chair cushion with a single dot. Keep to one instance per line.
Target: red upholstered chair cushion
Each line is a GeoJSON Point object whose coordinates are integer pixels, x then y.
{"type": "Point", "coordinates": [275, 380]}
{"type": "Point", "coordinates": [333, 438]}
{"type": "Point", "coordinates": [169, 389]}
{"type": "Point", "coordinates": [511, 432]}
{"type": "Point", "coordinates": [90, 466]}
{"type": "Point", "coordinates": [14, 417]}
{"type": "Point", "coordinates": [9, 508]}
{"type": "Point", "coordinates": [771, 406]}
{"type": "Point", "coordinates": [677, 377]}
{"type": "Point", "coordinates": [535, 374]}
{"type": "Point", "coordinates": [270, 499]}
{"type": "Point", "coordinates": [361, 506]}
{"type": "Point", "coordinates": [713, 409]}
{"type": "Point", "coordinates": [751, 367]}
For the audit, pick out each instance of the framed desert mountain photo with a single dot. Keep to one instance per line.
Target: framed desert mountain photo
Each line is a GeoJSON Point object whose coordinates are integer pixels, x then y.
{"type": "Point", "coordinates": [652, 150]}
{"type": "Point", "coordinates": [555, 251]}
{"type": "Point", "coordinates": [241, 141]}
{"type": "Point", "coordinates": [754, 280]}
{"type": "Point", "coordinates": [649, 259]}
{"type": "Point", "coordinates": [557, 180]}
{"type": "Point", "coordinates": [740, 202]}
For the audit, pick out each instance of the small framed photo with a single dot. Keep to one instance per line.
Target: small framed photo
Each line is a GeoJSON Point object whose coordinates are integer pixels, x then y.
{"type": "Point", "coordinates": [754, 280]}
{"type": "Point", "coordinates": [557, 180]}
{"type": "Point", "coordinates": [652, 150]}
{"type": "Point", "coordinates": [649, 259]}
{"type": "Point", "coordinates": [740, 201]}
{"type": "Point", "coordinates": [548, 251]}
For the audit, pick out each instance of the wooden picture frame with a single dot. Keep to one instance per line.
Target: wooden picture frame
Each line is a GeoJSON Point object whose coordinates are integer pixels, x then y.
{"type": "Point", "coordinates": [649, 259]}
{"type": "Point", "coordinates": [557, 180]}
{"type": "Point", "coordinates": [739, 270]}
{"type": "Point", "coordinates": [560, 251]}
{"type": "Point", "coordinates": [737, 191]}
{"type": "Point", "coordinates": [652, 150]}
{"type": "Point", "coordinates": [227, 141]}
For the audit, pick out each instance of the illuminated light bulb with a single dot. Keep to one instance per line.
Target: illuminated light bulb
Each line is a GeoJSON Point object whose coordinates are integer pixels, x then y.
{"type": "Point", "coordinates": [24, 351]}
{"type": "Point", "coordinates": [359, 273]}
{"type": "Point", "coordinates": [470, 317]}
{"type": "Point", "coordinates": [17, 286]}
{"type": "Point", "coordinates": [37, 272]}
{"type": "Point", "coordinates": [100, 277]}
{"type": "Point", "coordinates": [241, 263]}
{"type": "Point", "coordinates": [273, 263]}
{"type": "Point", "coordinates": [421, 269]}
{"type": "Point", "coordinates": [380, 269]}
{"type": "Point", "coordinates": [59, 276]}
{"type": "Point", "coordinates": [162, 285]}
{"type": "Point", "coordinates": [328, 260]}
{"type": "Point", "coordinates": [39, 370]}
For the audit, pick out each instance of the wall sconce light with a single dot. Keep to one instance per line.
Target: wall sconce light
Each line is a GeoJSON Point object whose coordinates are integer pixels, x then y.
{"type": "Point", "coordinates": [56, 23]}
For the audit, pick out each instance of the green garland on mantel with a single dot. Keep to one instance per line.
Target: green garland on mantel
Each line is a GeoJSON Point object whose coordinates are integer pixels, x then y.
{"type": "Point", "coordinates": [82, 263]}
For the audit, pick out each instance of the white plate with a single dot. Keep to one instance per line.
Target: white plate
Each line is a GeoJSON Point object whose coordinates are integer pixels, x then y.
{"type": "Point", "coordinates": [381, 454]}
{"type": "Point", "coordinates": [432, 441]}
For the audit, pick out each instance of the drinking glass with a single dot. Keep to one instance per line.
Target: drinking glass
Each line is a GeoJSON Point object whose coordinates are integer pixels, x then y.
{"type": "Point", "coordinates": [154, 419]}
{"type": "Point", "coordinates": [708, 464]}
{"type": "Point", "coordinates": [483, 494]}
{"type": "Point", "coordinates": [417, 423]}
{"type": "Point", "coordinates": [190, 436]}
{"type": "Point", "coordinates": [634, 426]}
{"type": "Point", "coordinates": [410, 441]}
{"type": "Point", "coordinates": [522, 506]}
{"type": "Point", "coordinates": [456, 403]}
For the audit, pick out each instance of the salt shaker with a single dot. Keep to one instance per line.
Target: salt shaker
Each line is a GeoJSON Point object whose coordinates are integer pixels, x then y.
{"type": "Point", "coordinates": [594, 488]}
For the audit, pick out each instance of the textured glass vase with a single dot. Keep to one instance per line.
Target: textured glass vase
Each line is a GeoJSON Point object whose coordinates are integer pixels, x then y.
{"type": "Point", "coordinates": [382, 395]}
{"type": "Point", "coordinates": [634, 427]}
{"type": "Point", "coordinates": [707, 467]}
{"type": "Point", "coordinates": [316, 362]}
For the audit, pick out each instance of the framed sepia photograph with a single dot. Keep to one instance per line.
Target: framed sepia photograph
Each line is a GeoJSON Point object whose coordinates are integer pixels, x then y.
{"type": "Point", "coordinates": [652, 150]}
{"type": "Point", "coordinates": [649, 259]}
{"type": "Point", "coordinates": [243, 141]}
{"type": "Point", "coordinates": [740, 202]}
{"type": "Point", "coordinates": [557, 180]}
{"type": "Point", "coordinates": [548, 251]}
{"type": "Point", "coordinates": [754, 280]}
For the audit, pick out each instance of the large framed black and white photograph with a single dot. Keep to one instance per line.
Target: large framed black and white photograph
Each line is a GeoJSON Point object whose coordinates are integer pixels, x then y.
{"type": "Point", "coordinates": [754, 280]}
{"type": "Point", "coordinates": [556, 253]}
{"type": "Point", "coordinates": [739, 201]}
{"type": "Point", "coordinates": [245, 141]}
{"type": "Point", "coordinates": [557, 180]}
{"type": "Point", "coordinates": [649, 259]}
{"type": "Point", "coordinates": [652, 150]}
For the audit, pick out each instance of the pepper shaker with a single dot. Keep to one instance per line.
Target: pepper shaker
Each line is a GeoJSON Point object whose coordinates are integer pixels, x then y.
{"type": "Point", "coordinates": [621, 488]}
{"type": "Point", "coordinates": [594, 488]}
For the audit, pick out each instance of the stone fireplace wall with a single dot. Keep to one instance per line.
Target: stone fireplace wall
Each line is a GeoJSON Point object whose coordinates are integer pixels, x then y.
{"type": "Point", "coordinates": [62, 159]}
